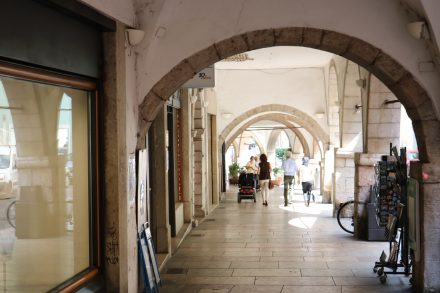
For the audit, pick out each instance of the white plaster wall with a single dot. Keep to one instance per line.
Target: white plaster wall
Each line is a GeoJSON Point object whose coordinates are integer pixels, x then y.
{"type": "Point", "coordinates": [190, 26]}
{"type": "Point", "coordinates": [177, 29]}
{"type": "Point", "coordinates": [238, 91]}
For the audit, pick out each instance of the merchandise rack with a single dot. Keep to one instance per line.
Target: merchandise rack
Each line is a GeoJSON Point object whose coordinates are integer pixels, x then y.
{"type": "Point", "coordinates": [391, 197]}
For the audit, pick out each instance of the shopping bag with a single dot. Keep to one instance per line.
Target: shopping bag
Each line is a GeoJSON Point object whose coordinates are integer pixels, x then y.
{"type": "Point", "coordinates": [270, 184]}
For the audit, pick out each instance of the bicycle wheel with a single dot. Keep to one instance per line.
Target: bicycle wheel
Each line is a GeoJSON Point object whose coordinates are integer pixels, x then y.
{"type": "Point", "coordinates": [345, 216]}
{"type": "Point", "coordinates": [10, 214]}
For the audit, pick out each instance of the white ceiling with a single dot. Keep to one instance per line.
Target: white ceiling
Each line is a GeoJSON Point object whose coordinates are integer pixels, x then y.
{"type": "Point", "coordinates": [279, 58]}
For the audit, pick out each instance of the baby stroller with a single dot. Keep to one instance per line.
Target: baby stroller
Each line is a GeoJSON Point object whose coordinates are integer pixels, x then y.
{"type": "Point", "coordinates": [247, 187]}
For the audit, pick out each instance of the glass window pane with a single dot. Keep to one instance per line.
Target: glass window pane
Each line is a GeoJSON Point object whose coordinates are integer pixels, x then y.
{"type": "Point", "coordinates": [44, 184]}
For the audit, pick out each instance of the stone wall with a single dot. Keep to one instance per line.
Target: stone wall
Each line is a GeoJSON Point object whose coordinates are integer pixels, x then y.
{"type": "Point", "coordinates": [383, 125]}
{"type": "Point", "coordinates": [343, 180]}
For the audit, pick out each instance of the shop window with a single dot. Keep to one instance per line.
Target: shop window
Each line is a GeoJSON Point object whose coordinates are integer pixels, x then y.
{"type": "Point", "coordinates": [48, 197]}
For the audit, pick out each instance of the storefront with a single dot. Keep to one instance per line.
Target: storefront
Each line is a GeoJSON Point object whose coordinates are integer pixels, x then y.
{"type": "Point", "coordinates": [50, 71]}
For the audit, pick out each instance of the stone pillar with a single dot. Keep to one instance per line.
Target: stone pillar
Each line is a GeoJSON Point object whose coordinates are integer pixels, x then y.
{"type": "Point", "coordinates": [199, 160]}
{"type": "Point", "coordinates": [115, 160]}
{"type": "Point", "coordinates": [215, 162]}
{"type": "Point", "coordinates": [328, 171]}
{"type": "Point", "coordinates": [344, 176]}
{"type": "Point", "coordinates": [187, 164]}
{"type": "Point", "coordinates": [364, 179]}
{"type": "Point", "coordinates": [427, 270]}
{"type": "Point", "coordinates": [159, 183]}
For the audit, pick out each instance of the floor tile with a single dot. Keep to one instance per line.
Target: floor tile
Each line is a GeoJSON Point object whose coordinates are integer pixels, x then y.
{"type": "Point", "coordinates": [251, 248]}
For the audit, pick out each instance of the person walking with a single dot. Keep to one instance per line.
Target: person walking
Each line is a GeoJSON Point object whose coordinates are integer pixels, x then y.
{"type": "Point", "coordinates": [306, 177]}
{"type": "Point", "coordinates": [290, 169]}
{"type": "Point", "coordinates": [250, 166]}
{"type": "Point", "coordinates": [264, 177]}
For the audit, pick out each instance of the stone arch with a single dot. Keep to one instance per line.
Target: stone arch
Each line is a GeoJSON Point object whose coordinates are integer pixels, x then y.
{"type": "Point", "coordinates": [253, 135]}
{"type": "Point", "coordinates": [283, 119]}
{"type": "Point", "coordinates": [271, 142]}
{"type": "Point", "coordinates": [292, 139]}
{"type": "Point", "coordinates": [406, 88]}
{"type": "Point", "coordinates": [287, 112]}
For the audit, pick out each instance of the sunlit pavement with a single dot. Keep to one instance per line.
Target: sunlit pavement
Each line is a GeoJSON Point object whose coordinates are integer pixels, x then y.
{"type": "Point", "coordinates": [247, 247]}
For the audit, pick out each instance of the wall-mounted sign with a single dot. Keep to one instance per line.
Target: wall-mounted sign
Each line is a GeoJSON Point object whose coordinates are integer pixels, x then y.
{"type": "Point", "coordinates": [203, 79]}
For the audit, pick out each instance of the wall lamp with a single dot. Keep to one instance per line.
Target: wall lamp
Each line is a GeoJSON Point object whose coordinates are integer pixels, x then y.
{"type": "Point", "coordinates": [134, 36]}
{"type": "Point", "coordinates": [418, 29]}
{"type": "Point", "coordinates": [357, 108]}
{"type": "Point", "coordinates": [361, 82]}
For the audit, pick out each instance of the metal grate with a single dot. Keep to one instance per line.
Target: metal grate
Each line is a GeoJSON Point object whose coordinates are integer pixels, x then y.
{"type": "Point", "coordinates": [197, 235]}
{"type": "Point", "coordinates": [210, 220]}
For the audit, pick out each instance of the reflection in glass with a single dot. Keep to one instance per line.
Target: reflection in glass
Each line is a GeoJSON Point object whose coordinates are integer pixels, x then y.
{"type": "Point", "coordinates": [44, 184]}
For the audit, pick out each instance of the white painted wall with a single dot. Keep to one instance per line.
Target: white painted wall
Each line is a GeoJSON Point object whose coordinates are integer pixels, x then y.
{"type": "Point", "coordinates": [177, 29]}
{"type": "Point", "coordinates": [238, 91]}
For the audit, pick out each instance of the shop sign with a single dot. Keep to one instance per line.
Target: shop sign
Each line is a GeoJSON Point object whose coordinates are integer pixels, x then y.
{"type": "Point", "coordinates": [203, 79]}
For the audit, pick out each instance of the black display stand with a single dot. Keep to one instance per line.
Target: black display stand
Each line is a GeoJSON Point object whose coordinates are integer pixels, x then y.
{"type": "Point", "coordinates": [391, 199]}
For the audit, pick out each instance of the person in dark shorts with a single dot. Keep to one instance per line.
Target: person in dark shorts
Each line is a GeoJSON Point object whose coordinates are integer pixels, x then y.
{"type": "Point", "coordinates": [306, 176]}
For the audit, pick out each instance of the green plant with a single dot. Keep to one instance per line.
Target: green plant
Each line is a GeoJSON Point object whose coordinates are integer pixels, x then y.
{"type": "Point", "coordinates": [277, 171]}
{"type": "Point", "coordinates": [280, 153]}
{"type": "Point", "coordinates": [234, 170]}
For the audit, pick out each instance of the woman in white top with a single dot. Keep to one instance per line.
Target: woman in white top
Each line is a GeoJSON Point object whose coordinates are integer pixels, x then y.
{"type": "Point", "coordinates": [307, 178]}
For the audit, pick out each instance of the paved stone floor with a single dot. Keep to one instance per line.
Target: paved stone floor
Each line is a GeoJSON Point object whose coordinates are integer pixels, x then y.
{"type": "Point", "coordinates": [248, 247]}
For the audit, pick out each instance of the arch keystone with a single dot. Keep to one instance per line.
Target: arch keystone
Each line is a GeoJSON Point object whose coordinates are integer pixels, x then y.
{"type": "Point", "coordinates": [231, 47]}
{"type": "Point", "coordinates": [312, 37]}
{"type": "Point", "coordinates": [288, 36]}
{"type": "Point", "coordinates": [260, 39]}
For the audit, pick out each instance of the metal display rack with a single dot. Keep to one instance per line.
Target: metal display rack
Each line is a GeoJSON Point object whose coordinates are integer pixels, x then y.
{"type": "Point", "coordinates": [391, 198]}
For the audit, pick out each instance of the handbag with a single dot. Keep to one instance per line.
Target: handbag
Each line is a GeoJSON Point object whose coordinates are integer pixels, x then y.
{"type": "Point", "coordinates": [271, 184]}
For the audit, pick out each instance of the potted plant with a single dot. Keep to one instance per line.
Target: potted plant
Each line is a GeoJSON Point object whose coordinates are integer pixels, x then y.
{"type": "Point", "coordinates": [234, 171]}
{"type": "Point", "coordinates": [278, 176]}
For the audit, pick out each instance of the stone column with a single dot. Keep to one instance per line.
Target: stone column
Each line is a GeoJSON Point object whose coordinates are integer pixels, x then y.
{"type": "Point", "coordinates": [199, 161]}
{"type": "Point", "coordinates": [427, 269]}
{"type": "Point", "coordinates": [344, 176]}
{"type": "Point", "coordinates": [215, 162]}
{"type": "Point", "coordinates": [383, 127]}
{"type": "Point", "coordinates": [159, 183]}
{"type": "Point", "coordinates": [115, 159]}
{"type": "Point", "coordinates": [187, 164]}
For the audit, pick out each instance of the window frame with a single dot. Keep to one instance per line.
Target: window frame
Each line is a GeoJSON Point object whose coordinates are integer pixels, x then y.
{"type": "Point", "coordinates": [32, 74]}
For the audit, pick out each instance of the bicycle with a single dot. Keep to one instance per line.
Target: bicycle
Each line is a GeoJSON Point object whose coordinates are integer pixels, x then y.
{"type": "Point", "coordinates": [10, 213]}
{"type": "Point", "coordinates": [345, 215]}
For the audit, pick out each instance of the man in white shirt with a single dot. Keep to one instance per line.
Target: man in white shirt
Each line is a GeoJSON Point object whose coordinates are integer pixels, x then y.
{"type": "Point", "coordinates": [307, 179]}
{"type": "Point", "coordinates": [290, 169]}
